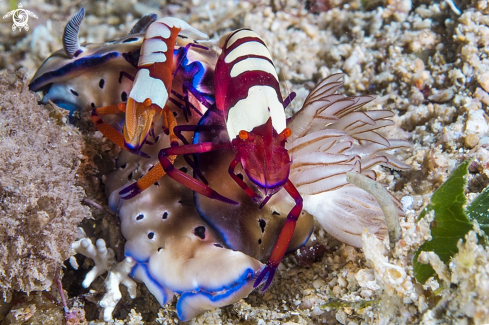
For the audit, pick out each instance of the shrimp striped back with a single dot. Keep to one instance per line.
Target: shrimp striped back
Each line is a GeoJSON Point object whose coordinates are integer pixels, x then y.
{"type": "Point", "coordinates": [247, 86]}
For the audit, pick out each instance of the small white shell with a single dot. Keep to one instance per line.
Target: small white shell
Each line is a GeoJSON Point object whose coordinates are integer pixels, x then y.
{"type": "Point", "coordinates": [407, 202]}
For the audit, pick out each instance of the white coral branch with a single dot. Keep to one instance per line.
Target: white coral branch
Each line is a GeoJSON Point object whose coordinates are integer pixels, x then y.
{"type": "Point", "coordinates": [104, 260]}
{"type": "Point", "coordinates": [101, 256]}
{"type": "Point", "coordinates": [118, 274]}
{"type": "Point", "coordinates": [390, 275]}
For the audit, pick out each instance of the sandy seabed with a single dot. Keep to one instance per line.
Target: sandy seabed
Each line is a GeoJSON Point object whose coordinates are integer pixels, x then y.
{"type": "Point", "coordinates": [425, 61]}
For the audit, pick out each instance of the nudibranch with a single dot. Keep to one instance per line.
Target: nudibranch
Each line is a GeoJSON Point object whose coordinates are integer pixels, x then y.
{"type": "Point", "coordinates": [176, 252]}
{"type": "Point", "coordinates": [332, 135]}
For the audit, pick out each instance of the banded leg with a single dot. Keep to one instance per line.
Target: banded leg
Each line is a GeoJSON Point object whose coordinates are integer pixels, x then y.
{"type": "Point", "coordinates": [127, 75]}
{"type": "Point", "coordinates": [289, 99]}
{"type": "Point", "coordinates": [187, 106]}
{"type": "Point", "coordinates": [187, 88]}
{"type": "Point", "coordinates": [178, 132]}
{"type": "Point", "coordinates": [283, 239]}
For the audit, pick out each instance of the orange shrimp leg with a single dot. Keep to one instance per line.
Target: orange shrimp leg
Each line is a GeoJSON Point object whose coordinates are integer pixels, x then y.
{"type": "Point", "coordinates": [106, 129]}
{"type": "Point", "coordinates": [165, 157]}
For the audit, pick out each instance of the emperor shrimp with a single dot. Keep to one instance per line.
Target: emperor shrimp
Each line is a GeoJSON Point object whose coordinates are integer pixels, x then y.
{"type": "Point", "coordinates": [152, 84]}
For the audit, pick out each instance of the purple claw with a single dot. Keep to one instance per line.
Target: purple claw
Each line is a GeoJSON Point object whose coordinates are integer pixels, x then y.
{"type": "Point", "coordinates": [136, 150]}
{"type": "Point", "coordinates": [268, 273]}
{"type": "Point", "coordinates": [265, 201]}
{"type": "Point", "coordinates": [130, 191]}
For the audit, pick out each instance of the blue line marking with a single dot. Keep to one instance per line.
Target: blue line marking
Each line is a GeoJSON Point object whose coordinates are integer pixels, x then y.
{"type": "Point", "coordinates": [210, 295]}
{"type": "Point", "coordinates": [82, 63]}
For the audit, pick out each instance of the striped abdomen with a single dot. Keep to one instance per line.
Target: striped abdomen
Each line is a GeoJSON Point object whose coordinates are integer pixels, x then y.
{"type": "Point", "coordinates": [247, 87]}
{"type": "Point", "coordinates": [154, 76]}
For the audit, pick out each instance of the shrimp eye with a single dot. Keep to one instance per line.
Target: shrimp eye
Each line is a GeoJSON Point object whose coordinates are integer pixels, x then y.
{"type": "Point", "coordinates": [122, 107]}
{"type": "Point", "coordinates": [243, 135]}
{"type": "Point", "coordinates": [147, 102]}
{"type": "Point", "coordinates": [285, 134]}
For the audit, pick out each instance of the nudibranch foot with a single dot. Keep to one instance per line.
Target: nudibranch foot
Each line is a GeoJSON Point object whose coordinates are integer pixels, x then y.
{"type": "Point", "coordinates": [222, 286]}
{"type": "Point", "coordinates": [191, 304]}
{"type": "Point", "coordinates": [162, 294]}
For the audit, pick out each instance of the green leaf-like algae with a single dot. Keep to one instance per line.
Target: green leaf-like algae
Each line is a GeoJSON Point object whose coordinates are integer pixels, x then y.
{"type": "Point", "coordinates": [450, 224]}
{"type": "Point", "coordinates": [479, 210]}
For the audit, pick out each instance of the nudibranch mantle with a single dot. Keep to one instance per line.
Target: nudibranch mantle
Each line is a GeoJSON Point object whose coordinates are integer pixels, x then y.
{"type": "Point", "coordinates": [100, 75]}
